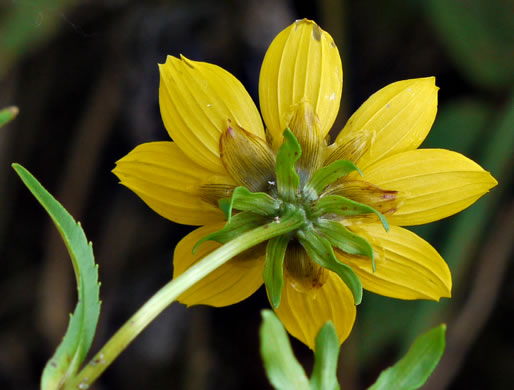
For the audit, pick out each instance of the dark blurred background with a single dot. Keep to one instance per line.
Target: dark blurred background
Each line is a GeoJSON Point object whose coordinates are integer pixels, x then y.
{"type": "Point", "coordinates": [84, 76]}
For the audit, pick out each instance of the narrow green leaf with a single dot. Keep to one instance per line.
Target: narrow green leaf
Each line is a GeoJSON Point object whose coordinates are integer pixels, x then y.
{"type": "Point", "coordinates": [335, 204]}
{"type": "Point", "coordinates": [239, 224]}
{"type": "Point", "coordinates": [8, 114]}
{"type": "Point", "coordinates": [324, 374]}
{"type": "Point", "coordinates": [274, 268]}
{"type": "Point", "coordinates": [340, 237]}
{"type": "Point", "coordinates": [327, 175]}
{"type": "Point", "coordinates": [82, 326]}
{"type": "Point", "coordinates": [412, 371]}
{"type": "Point", "coordinates": [244, 200]}
{"type": "Point", "coordinates": [288, 180]}
{"type": "Point", "coordinates": [320, 250]}
{"type": "Point", "coordinates": [282, 369]}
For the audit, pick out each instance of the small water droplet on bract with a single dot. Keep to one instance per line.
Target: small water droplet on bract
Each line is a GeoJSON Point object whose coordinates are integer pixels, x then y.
{"type": "Point", "coordinates": [83, 385]}
{"type": "Point", "coordinates": [333, 96]}
{"type": "Point", "coordinates": [208, 105]}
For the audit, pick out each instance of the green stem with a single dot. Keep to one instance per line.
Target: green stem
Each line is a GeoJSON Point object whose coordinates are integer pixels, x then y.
{"type": "Point", "coordinates": [173, 289]}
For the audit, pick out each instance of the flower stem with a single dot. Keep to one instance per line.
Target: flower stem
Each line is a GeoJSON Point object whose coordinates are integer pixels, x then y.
{"type": "Point", "coordinates": [173, 289]}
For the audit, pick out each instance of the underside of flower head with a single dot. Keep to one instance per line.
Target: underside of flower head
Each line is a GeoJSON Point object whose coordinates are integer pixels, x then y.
{"type": "Point", "coordinates": [225, 172]}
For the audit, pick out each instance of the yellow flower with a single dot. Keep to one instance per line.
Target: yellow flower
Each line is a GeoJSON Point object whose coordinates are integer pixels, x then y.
{"type": "Point", "coordinates": [219, 143]}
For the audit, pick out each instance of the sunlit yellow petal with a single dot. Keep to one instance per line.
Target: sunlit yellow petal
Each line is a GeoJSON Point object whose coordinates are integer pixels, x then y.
{"type": "Point", "coordinates": [169, 182]}
{"type": "Point", "coordinates": [303, 314]}
{"type": "Point", "coordinates": [433, 183]}
{"type": "Point", "coordinates": [197, 99]}
{"type": "Point", "coordinates": [407, 267]}
{"type": "Point", "coordinates": [302, 63]}
{"type": "Point", "coordinates": [395, 119]}
{"type": "Point", "coordinates": [231, 283]}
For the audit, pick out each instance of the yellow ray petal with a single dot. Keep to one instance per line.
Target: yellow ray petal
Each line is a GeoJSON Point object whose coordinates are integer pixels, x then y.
{"type": "Point", "coordinates": [303, 314]}
{"type": "Point", "coordinates": [233, 282]}
{"type": "Point", "coordinates": [407, 267]}
{"type": "Point", "coordinates": [197, 99]}
{"type": "Point", "coordinates": [432, 184]}
{"type": "Point", "coordinates": [302, 63]}
{"type": "Point", "coordinates": [395, 119]}
{"type": "Point", "coordinates": [169, 182]}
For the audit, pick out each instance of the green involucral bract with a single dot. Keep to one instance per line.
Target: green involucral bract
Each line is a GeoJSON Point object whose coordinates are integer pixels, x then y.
{"type": "Point", "coordinates": [288, 180]}
{"type": "Point", "coordinates": [340, 237]}
{"type": "Point", "coordinates": [320, 250]}
{"type": "Point", "coordinates": [274, 268]}
{"type": "Point", "coordinates": [244, 200]}
{"type": "Point", "coordinates": [335, 204]}
{"type": "Point", "coordinates": [326, 175]}
{"type": "Point", "coordinates": [238, 224]}
{"type": "Point", "coordinates": [318, 218]}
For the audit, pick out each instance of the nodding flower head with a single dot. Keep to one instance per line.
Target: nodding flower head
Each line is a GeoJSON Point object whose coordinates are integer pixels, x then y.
{"type": "Point", "coordinates": [226, 171]}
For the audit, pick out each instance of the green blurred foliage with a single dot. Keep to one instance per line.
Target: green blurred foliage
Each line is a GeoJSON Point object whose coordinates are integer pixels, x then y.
{"type": "Point", "coordinates": [478, 37]}
{"type": "Point", "coordinates": [27, 25]}
{"type": "Point", "coordinates": [7, 115]}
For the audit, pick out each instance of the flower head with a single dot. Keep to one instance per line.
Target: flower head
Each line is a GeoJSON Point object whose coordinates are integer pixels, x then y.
{"type": "Point", "coordinates": [353, 194]}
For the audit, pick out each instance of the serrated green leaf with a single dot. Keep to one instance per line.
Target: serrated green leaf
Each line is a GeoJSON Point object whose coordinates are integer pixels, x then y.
{"type": "Point", "coordinates": [239, 224]}
{"type": "Point", "coordinates": [288, 180]}
{"type": "Point", "coordinates": [320, 250]}
{"type": "Point", "coordinates": [8, 114]}
{"type": "Point", "coordinates": [274, 268]}
{"type": "Point", "coordinates": [244, 200]}
{"type": "Point", "coordinates": [82, 326]}
{"type": "Point", "coordinates": [335, 204]}
{"type": "Point", "coordinates": [412, 371]}
{"type": "Point", "coordinates": [282, 369]}
{"type": "Point", "coordinates": [340, 237]}
{"type": "Point", "coordinates": [327, 175]}
{"type": "Point", "coordinates": [324, 374]}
